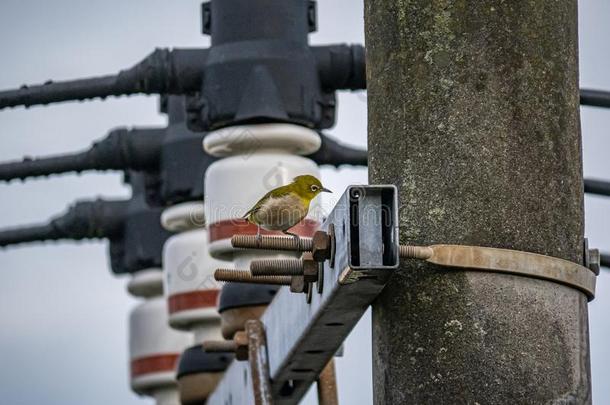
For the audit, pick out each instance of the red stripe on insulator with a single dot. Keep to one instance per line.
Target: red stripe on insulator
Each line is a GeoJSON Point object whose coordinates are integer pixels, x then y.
{"type": "Point", "coordinates": [192, 300]}
{"type": "Point", "coordinates": [153, 364]}
{"type": "Point", "coordinates": [227, 228]}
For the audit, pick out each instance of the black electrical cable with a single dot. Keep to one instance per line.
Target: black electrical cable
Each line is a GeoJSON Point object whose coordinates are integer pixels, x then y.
{"type": "Point", "coordinates": [598, 187]}
{"type": "Point", "coordinates": [604, 260]}
{"type": "Point", "coordinates": [595, 98]}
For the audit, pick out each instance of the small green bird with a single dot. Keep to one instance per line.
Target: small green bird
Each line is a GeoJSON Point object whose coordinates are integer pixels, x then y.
{"type": "Point", "coordinates": [284, 207]}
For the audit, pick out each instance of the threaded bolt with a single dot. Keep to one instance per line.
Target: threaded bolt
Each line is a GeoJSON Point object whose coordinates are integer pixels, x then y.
{"type": "Point", "coordinates": [289, 243]}
{"type": "Point", "coordinates": [415, 252]}
{"type": "Point", "coordinates": [276, 267]}
{"type": "Point", "coordinates": [244, 276]}
{"type": "Point", "coordinates": [219, 346]}
{"type": "Point", "coordinates": [239, 346]}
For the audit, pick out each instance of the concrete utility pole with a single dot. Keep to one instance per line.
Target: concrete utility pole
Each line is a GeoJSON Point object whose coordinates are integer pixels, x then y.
{"type": "Point", "coordinates": [473, 109]}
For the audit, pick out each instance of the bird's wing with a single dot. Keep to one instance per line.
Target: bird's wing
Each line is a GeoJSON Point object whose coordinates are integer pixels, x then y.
{"type": "Point", "coordinates": [278, 192]}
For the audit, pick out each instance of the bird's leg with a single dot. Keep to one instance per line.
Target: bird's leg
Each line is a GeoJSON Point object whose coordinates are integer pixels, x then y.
{"type": "Point", "coordinates": [258, 234]}
{"type": "Point", "coordinates": [294, 235]}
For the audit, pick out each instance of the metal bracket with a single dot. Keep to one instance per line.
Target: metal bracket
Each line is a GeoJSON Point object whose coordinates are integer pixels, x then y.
{"type": "Point", "coordinates": [507, 261]}
{"type": "Point", "coordinates": [259, 363]}
{"type": "Point", "coordinates": [302, 337]}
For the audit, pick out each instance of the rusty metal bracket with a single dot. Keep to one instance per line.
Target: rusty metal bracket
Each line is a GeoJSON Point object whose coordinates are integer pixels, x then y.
{"type": "Point", "coordinates": [506, 261]}
{"type": "Point", "coordinates": [259, 363]}
{"type": "Point", "coordinates": [327, 385]}
{"type": "Point", "coordinates": [251, 345]}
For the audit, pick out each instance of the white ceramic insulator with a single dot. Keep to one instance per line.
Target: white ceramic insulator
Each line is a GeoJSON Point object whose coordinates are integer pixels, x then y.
{"type": "Point", "coordinates": [234, 185]}
{"type": "Point", "coordinates": [184, 216]}
{"type": "Point", "coordinates": [146, 283]}
{"type": "Point", "coordinates": [207, 331]}
{"type": "Point", "coordinates": [167, 396]}
{"type": "Point", "coordinates": [154, 348]}
{"type": "Point", "coordinates": [247, 140]}
{"type": "Point", "coordinates": [190, 288]}
{"type": "Point", "coordinates": [258, 158]}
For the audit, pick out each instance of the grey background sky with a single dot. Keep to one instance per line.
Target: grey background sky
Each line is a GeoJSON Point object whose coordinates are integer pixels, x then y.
{"type": "Point", "coordinates": [63, 330]}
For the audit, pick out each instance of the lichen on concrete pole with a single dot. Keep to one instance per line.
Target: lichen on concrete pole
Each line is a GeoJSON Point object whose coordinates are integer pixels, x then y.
{"type": "Point", "coordinates": [474, 115]}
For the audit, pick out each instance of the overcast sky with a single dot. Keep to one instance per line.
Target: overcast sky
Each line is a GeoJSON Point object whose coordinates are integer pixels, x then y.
{"type": "Point", "coordinates": [63, 329]}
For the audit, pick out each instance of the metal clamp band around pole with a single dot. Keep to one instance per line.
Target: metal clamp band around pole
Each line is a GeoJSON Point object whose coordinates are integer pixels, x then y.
{"type": "Point", "coordinates": [506, 261]}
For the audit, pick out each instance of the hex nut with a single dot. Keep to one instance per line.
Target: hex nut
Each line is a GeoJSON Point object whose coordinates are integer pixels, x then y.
{"type": "Point", "coordinates": [321, 246]}
{"type": "Point", "coordinates": [310, 271]}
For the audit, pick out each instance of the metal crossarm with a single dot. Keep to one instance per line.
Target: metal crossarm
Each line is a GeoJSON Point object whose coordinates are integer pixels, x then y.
{"type": "Point", "coordinates": [302, 337]}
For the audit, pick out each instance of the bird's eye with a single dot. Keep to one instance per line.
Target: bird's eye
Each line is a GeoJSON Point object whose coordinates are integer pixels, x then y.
{"type": "Point", "coordinates": [314, 188]}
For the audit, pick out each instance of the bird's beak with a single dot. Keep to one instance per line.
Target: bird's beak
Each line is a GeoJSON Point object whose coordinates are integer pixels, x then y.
{"type": "Point", "coordinates": [325, 190]}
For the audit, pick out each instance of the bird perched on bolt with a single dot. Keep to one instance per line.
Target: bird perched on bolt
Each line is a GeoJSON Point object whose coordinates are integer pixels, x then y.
{"type": "Point", "coordinates": [284, 207]}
